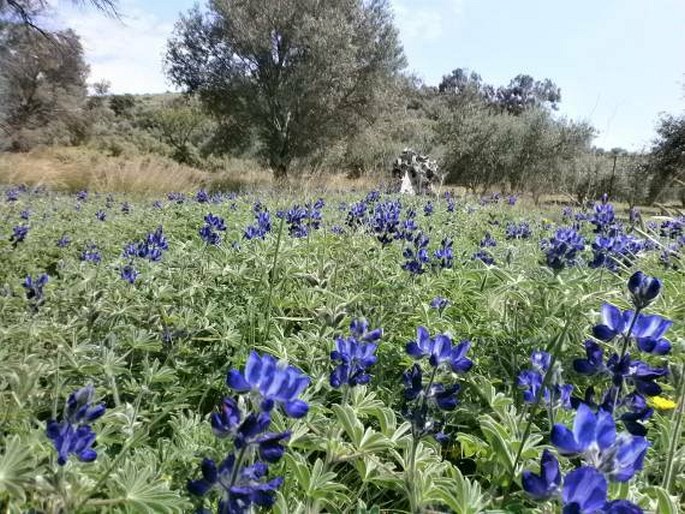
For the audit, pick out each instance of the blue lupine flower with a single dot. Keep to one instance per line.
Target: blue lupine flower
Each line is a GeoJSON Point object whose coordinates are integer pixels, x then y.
{"type": "Point", "coordinates": [594, 363]}
{"type": "Point", "coordinates": [417, 258]}
{"type": "Point", "coordinates": [73, 435]}
{"type": "Point", "coordinates": [428, 209]}
{"type": "Point", "coordinates": [603, 216]}
{"type": "Point", "coordinates": [240, 489]}
{"type": "Point", "coordinates": [356, 214]}
{"type": "Point", "coordinates": [643, 289]}
{"type": "Point", "coordinates": [91, 254]}
{"type": "Point", "coordinates": [451, 205]}
{"type": "Point", "coordinates": [562, 249]}
{"type": "Point", "coordinates": [439, 303]}
{"type": "Point", "coordinates": [275, 382]}
{"type": "Point", "coordinates": [262, 227]}
{"type": "Point", "coordinates": [634, 216]}
{"type": "Point", "coordinates": [19, 233]}
{"type": "Point", "coordinates": [354, 358]}
{"type": "Point", "coordinates": [129, 274]}
{"type": "Point", "coordinates": [82, 196]}
{"type": "Point", "coordinates": [483, 256]}
{"type": "Point", "coordinates": [34, 288]}
{"type": "Point", "coordinates": [673, 229]}
{"type": "Point", "coordinates": [637, 373]}
{"type": "Point", "coordinates": [385, 222]}
{"type": "Point", "coordinates": [637, 412]}
{"type": "Point", "coordinates": [487, 241]}
{"type": "Point", "coordinates": [439, 350]}
{"type": "Point", "coordinates": [445, 398]}
{"type": "Point", "coordinates": [101, 215]}
{"type": "Point", "coordinates": [209, 236]}
{"type": "Point", "coordinates": [157, 204]}
{"type": "Point", "coordinates": [548, 483]}
{"type": "Point", "coordinates": [647, 330]}
{"type": "Point", "coordinates": [250, 430]}
{"type": "Point", "coordinates": [63, 241]}
{"type": "Point", "coordinates": [216, 222]}
{"type": "Point", "coordinates": [618, 456]}
{"type": "Point", "coordinates": [126, 208]}
{"type": "Point", "coordinates": [25, 214]}
{"type": "Point", "coordinates": [201, 196]}
{"type": "Point", "coordinates": [511, 199]}
{"type": "Point", "coordinates": [176, 197]}
{"type": "Point", "coordinates": [621, 507]}
{"type": "Point", "coordinates": [531, 380]}
{"type": "Point", "coordinates": [359, 328]}
{"type": "Point", "coordinates": [372, 196]}
{"type": "Point", "coordinates": [444, 254]}
{"type": "Point", "coordinates": [514, 231]}
{"type": "Point", "coordinates": [584, 491]}
{"type": "Point", "coordinates": [12, 195]}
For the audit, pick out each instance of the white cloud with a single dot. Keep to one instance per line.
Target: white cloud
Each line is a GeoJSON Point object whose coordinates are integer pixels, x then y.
{"type": "Point", "coordinates": [425, 21]}
{"type": "Point", "coordinates": [128, 52]}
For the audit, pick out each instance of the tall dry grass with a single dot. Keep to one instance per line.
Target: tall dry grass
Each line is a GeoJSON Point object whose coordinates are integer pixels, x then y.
{"type": "Point", "coordinates": [75, 169]}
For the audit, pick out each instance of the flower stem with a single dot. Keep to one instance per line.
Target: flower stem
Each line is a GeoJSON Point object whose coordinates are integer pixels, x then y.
{"type": "Point", "coordinates": [676, 424]}
{"type": "Point", "coordinates": [271, 277]}
{"type": "Point", "coordinates": [553, 350]}
{"type": "Point", "coordinates": [624, 349]}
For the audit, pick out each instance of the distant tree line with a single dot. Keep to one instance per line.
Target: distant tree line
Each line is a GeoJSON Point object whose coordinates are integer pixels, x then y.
{"type": "Point", "coordinates": [318, 86]}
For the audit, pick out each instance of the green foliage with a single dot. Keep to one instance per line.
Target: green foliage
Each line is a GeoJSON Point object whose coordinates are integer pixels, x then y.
{"type": "Point", "coordinates": [42, 88]}
{"type": "Point", "coordinates": [299, 73]}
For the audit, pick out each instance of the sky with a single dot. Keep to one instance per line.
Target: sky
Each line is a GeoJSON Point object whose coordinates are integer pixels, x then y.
{"type": "Point", "coordinates": [619, 63]}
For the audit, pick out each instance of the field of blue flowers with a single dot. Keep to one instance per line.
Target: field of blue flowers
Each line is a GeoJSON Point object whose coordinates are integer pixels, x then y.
{"type": "Point", "coordinates": [356, 354]}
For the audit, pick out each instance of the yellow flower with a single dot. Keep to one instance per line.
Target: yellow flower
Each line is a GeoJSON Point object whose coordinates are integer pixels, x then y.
{"type": "Point", "coordinates": [661, 403]}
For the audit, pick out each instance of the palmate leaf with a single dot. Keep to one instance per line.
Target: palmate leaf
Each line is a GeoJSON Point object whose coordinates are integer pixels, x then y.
{"type": "Point", "coordinates": [142, 491]}
{"type": "Point", "coordinates": [460, 494]}
{"type": "Point", "coordinates": [16, 468]}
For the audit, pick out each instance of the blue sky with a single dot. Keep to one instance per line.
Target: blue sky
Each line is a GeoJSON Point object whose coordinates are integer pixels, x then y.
{"type": "Point", "coordinates": [619, 63]}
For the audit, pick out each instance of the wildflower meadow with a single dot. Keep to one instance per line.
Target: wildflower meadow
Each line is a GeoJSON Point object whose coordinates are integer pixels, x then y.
{"type": "Point", "coordinates": [359, 353]}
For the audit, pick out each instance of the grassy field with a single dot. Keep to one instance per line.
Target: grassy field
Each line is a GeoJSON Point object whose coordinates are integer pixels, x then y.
{"type": "Point", "coordinates": [152, 301]}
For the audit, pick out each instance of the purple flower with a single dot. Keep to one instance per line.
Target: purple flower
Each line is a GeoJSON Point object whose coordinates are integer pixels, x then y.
{"type": "Point", "coordinates": [91, 254]}
{"type": "Point", "coordinates": [275, 382]}
{"type": "Point", "coordinates": [439, 350]}
{"type": "Point", "coordinates": [129, 274]}
{"type": "Point", "coordinates": [647, 330]}
{"type": "Point", "coordinates": [248, 430]}
{"type": "Point", "coordinates": [643, 289]}
{"type": "Point", "coordinates": [239, 488]}
{"type": "Point", "coordinates": [584, 491]}
{"type": "Point", "coordinates": [34, 288]}
{"type": "Point", "coordinates": [548, 483]}
{"type": "Point", "coordinates": [562, 249]}
{"type": "Point", "coordinates": [594, 437]}
{"type": "Point", "coordinates": [19, 233]}
{"type": "Point", "coordinates": [439, 303]}
{"type": "Point", "coordinates": [73, 435]}
{"type": "Point", "coordinates": [354, 359]}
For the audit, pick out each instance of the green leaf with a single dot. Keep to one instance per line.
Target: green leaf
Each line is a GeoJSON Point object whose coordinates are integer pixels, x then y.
{"type": "Point", "coordinates": [348, 419]}
{"type": "Point", "coordinates": [16, 468]}
{"type": "Point", "coordinates": [498, 440]}
{"type": "Point", "coordinates": [461, 494]}
{"type": "Point", "coordinates": [665, 503]}
{"type": "Point", "coordinates": [142, 491]}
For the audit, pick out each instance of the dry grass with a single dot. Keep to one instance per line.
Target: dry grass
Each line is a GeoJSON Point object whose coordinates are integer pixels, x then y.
{"type": "Point", "coordinates": [74, 169]}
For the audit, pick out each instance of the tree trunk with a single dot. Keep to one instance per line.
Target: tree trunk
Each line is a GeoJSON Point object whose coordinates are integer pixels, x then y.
{"type": "Point", "coordinates": [280, 170]}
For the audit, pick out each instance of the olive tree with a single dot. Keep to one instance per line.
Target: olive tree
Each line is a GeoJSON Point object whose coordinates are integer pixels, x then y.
{"type": "Point", "coordinates": [300, 73]}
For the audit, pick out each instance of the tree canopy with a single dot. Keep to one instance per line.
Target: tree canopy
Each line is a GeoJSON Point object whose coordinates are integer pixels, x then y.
{"type": "Point", "coordinates": [301, 73]}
